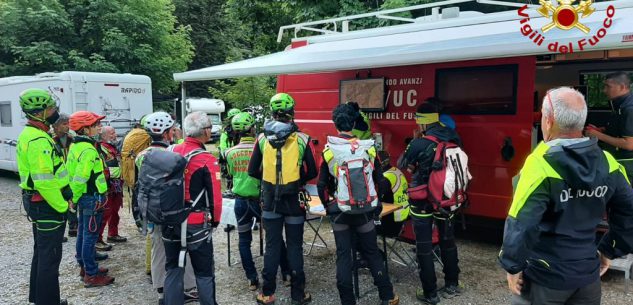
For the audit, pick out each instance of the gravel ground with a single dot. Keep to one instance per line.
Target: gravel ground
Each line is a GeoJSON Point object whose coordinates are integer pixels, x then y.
{"type": "Point", "coordinates": [483, 279]}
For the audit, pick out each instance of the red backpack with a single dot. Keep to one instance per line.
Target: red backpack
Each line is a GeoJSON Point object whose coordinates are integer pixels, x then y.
{"type": "Point", "coordinates": [448, 180]}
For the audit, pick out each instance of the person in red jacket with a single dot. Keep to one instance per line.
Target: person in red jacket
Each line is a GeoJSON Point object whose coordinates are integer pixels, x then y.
{"type": "Point", "coordinates": [201, 184]}
{"type": "Point", "coordinates": [112, 156]}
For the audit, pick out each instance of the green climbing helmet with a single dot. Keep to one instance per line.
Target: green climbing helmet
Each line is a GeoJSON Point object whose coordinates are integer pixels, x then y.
{"type": "Point", "coordinates": [243, 121]}
{"type": "Point", "coordinates": [282, 102]}
{"type": "Point", "coordinates": [35, 99]}
{"type": "Point", "coordinates": [232, 112]}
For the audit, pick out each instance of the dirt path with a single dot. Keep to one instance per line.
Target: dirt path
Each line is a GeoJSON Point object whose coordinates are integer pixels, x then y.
{"type": "Point", "coordinates": [484, 280]}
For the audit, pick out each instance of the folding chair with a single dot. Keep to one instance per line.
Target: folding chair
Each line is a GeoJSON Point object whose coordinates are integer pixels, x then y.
{"type": "Point", "coordinates": [407, 238]}
{"type": "Point", "coordinates": [314, 212]}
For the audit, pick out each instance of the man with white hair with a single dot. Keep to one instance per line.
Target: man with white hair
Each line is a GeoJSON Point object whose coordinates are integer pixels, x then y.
{"type": "Point", "coordinates": [112, 157]}
{"type": "Point", "coordinates": [565, 186]}
{"type": "Point", "coordinates": [199, 181]}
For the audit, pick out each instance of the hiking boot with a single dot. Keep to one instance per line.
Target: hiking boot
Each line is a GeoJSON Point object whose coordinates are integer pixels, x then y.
{"type": "Point", "coordinates": [191, 296]}
{"type": "Point", "coordinates": [117, 239]}
{"type": "Point", "coordinates": [100, 256]}
{"type": "Point", "coordinates": [102, 246]}
{"type": "Point", "coordinates": [394, 301]}
{"type": "Point", "coordinates": [430, 300]}
{"type": "Point", "coordinates": [101, 271]}
{"type": "Point", "coordinates": [253, 285]}
{"type": "Point", "coordinates": [97, 281]}
{"type": "Point", "coordinates": [451, 291]}
{"type": "Point", "coordinates": [307, 298]}
{"type": "Point", "coordinates": [265, 300]}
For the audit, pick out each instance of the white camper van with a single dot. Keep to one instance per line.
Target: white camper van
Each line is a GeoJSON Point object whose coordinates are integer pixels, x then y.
{"type": "Point", "coordinates": [122, 98]}
{"type": "Point", "coordinates": [213, 108]}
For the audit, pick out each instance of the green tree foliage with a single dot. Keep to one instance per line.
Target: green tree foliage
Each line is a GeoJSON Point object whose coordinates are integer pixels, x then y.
{"type": "Point", "coordinates": [126, 36]}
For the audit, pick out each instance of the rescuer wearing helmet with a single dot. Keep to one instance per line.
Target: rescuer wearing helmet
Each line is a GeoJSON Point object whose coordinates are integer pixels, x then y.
{"type": "Point", "coordinates": [283, 159]}
{"type": "Point", "coordinates": [566, 186]}
{"type": "Point", "coordinates": [418, 159]}
{"type": "Point", "coordinates": [45, 193]}
{"type": "Point", "coordinates": [228, 138]}
{"type": "Point", "coordinates": [246, 191]}
{"type": "Point", "coordinates": [86, 171]}
{"type": "Point", "coordinates": [618, 135]}
{"type": "Point", "coordinates": [160, 127]}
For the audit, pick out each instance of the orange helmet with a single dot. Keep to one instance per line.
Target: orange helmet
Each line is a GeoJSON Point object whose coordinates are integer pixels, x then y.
{"type": "Point", "coordinates": [81, 119]}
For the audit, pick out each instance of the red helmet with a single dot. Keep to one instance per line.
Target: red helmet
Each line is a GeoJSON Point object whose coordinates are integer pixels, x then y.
{"type": "Point", "coordinates": [81, 119]}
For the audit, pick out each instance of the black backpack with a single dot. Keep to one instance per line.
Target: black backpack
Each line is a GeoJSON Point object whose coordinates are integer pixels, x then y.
{"type": "Point", "coordinates": [161, 187]}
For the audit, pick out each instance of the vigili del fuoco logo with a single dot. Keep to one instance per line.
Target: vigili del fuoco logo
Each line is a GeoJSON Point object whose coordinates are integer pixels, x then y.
{"type": "Point", "coordinates": [565, 16]}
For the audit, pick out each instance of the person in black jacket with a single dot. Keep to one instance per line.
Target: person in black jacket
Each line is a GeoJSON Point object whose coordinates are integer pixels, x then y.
{"type": "Point", "coordinates": [346, 227]}
{"type": "Point", "coordinates": [565, 187]}
{"type": "Point", "coordinates": [417, 159]}
{"type": "Point", "coordinates": [618, 135]}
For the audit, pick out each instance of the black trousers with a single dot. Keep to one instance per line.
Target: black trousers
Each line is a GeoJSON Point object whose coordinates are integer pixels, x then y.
{"type": "Point", "coordinates": [423, 227]}
{"type": "Point", "coordinates": [48, 234]}
{"type": "Point", "coordinates": [275, 225]}
{"type": "Point", "coordinates": [201, 254]}
{"type": "Point", "coordinates": [350, 230]}
{"type": "Point", "coordinates": [536, 294]}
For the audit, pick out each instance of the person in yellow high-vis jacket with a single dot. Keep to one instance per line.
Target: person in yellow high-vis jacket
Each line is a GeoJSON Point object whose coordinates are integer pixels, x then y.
{"type": "Point", "coordinates": [395, 192]}
{"type": "Point", "coordinates": [88, 182]}
{"type": "Point", "coordinates": [45, 195]}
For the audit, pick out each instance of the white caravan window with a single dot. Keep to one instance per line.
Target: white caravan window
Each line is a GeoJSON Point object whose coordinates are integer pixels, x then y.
{"type": "Point", "coordinates": [5, 114]}
{"type": "Point", "coordinates": [215, 119]}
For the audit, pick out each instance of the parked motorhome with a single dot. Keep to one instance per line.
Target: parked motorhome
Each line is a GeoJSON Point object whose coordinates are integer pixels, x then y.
{"type": "Point", "coordinates": [122, 98]}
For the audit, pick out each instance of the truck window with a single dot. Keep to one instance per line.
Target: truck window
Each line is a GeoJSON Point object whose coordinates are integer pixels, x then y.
{"type": "Point", "coordinates": [478, 90]}
{"type": "Point", "coordinates": [593, 82]}
{"type": "Point", "coordinates": [5, 114]}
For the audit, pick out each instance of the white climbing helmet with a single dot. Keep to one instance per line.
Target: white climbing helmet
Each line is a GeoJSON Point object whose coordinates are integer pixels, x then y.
{"type": "Point", "coordinates": [158, 122]}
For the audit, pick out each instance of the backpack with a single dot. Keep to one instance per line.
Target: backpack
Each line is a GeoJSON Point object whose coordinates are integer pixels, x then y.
{"type": "Point", "coordinates": [134, 142]}
{"type": "Point", "coordinates": [448, 180]}
{"type": "Point", "coordinates": [352, 164]}
{"type": "Point", "coordinates": [161, 187]}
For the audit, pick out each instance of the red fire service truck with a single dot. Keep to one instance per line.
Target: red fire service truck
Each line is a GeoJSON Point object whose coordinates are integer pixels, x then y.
{"type": "Point", "coordinates": [490, 71]}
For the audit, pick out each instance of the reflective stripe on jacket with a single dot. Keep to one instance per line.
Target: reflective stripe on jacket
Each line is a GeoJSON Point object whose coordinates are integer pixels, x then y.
{"type": "Point", "coordinates": [41, 167]}
{"type": "Point", "coordinates": [86, 168]}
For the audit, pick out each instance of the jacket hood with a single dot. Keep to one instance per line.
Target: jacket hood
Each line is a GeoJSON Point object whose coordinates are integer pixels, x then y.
{"type": "Point", "coordinates": [444, 134]}
{"type": "Point", "coordinates": [582, 165]}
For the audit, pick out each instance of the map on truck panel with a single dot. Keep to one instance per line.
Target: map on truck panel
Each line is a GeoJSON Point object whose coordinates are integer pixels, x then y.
{"type": "Point", "coordinates": [368, 93]}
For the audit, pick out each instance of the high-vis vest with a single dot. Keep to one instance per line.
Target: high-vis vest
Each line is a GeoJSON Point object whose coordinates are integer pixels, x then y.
{"type": "Point", "coordinates": [237, 158]}
{"type": "Point", "coordinates": [41, 167]}
{"type": "Point", "coordinates": [290, 155]}
{"type": "Point", "coordinates": [399, 186]}
{"type": "Point", "coordinates": [86, 169]}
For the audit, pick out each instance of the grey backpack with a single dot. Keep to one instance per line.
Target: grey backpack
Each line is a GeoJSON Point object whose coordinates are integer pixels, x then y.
{"type": "Point", "coordinates": [353, 165]}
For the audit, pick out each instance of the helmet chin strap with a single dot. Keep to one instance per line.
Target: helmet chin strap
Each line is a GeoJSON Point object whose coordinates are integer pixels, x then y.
{"type": "Point", "coordinates": [42, 120]}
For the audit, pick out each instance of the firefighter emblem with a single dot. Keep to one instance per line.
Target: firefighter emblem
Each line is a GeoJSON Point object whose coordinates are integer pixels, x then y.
{"type": "Point", "coordinates": [566, 16]}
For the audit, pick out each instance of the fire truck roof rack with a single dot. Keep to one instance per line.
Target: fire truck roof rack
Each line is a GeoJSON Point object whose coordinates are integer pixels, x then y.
{"type": "Point", "coordinates": [331, 25]}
